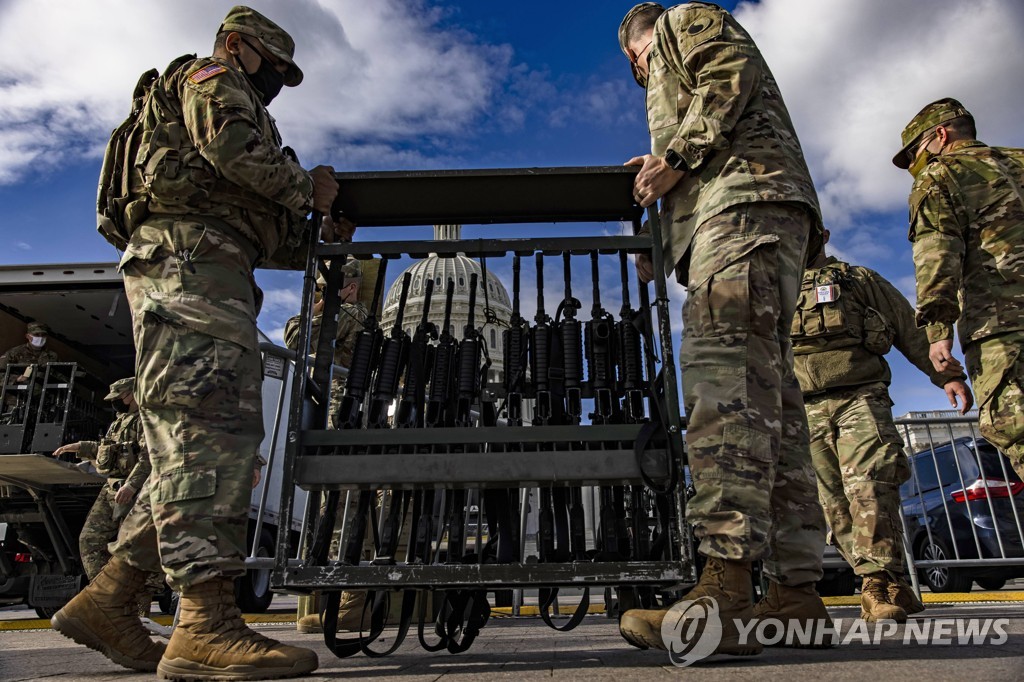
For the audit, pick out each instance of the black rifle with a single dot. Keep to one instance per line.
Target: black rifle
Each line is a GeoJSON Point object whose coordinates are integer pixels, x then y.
{"type": "Point", "coordinates": [601, 344]}
{"type": "Point", "coordinates": [631, 370]}
{"type": "Point", "coordinates": [540, 353]}
{"type": "Point", "coordinates": [540, 357]}
{"type": "Point", "coordinates": [410, 409]}
{"type": "Point", "coordinates": [438, 413]}
{"type": "Point", "coordinates": [442, 375]}
{"type": "Point", "coordinates": [394, 355]}
{"type": "Point", "coordinates": [546, 375]}
{"type": "Point", "coordinates": [468, 388]}
{"type": "Point", "coordinates": [470, 353]}
{"type": "Point", "coordinates": [516, 346]}
{"type": "Point", "coordinates": [410, 415]}
{"type": "Point", "coordinates": [631, 375]}
{"type": "Point", "coordinates": [570, 333]}
{"type": "Point", "coordinates": [601, 341]}
{"type": "Point", "coordinates": [365, 355]}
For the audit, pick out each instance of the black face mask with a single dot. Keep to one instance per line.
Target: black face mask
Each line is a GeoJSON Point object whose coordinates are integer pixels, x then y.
{"type": "Point", "coordinates": [267, 79]}
{"type": "Point", "coordinates": [119, 406]}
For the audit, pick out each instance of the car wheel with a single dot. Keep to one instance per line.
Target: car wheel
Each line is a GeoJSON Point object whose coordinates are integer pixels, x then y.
{"type": "Point", "coordinates": [942, 578]}
{"type": "Point", "coordinates": [991, 583]}
{"type": "Point", "coordinates": [46, 612]}
{"type": "Point", "coordinates": [253, 589]}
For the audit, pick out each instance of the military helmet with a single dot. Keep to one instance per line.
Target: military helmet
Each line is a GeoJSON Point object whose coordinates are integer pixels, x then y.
{"type": "Point", "coordinates": [623, 38]}
{"type": "Point", "coordinates": [120, 387]}
{"type": "Point", "coordinates": [938, 112]}
{"type": "Point", "coordinates": [246, 20]}
{"type": "Point", "coordinates": [37, 329]}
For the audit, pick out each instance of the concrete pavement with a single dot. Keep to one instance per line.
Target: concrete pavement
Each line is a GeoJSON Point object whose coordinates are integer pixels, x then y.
{"type": "Point", "coordinates": [524, 649]}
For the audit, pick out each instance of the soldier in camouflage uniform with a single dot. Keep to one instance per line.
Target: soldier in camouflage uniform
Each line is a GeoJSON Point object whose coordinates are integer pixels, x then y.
{"type": "Point", "coordinates": [848, 317]}
{"type": "Point", "coordinates": [122, 457]}
{"type": "Point", "coordinates": [33, 352]}
{"type": "Point", "coordinates": [214, 196]}
{"type": "Point", "coordinates": [351, 318]}
{"type": "Point", "coordinates": [967, 227]}
{"type": "Point", "coordinates": [740, 215]}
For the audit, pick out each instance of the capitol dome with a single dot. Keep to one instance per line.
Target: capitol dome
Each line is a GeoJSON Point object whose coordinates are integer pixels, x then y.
{"type": "Point", "coordinates": [458, 269]}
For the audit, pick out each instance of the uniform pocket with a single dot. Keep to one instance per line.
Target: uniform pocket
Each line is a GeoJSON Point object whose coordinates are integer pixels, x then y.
{"type": "Point", "coordinates": [745, 441]}
{"type": "Point", "coordinates": [878, 333]}
{"type": "Point", "coordinates": [1000, 419]}
{"type": "Point", "coordinates": [178, 367]}
{"type": "Point", "coordinates": [185, 483]}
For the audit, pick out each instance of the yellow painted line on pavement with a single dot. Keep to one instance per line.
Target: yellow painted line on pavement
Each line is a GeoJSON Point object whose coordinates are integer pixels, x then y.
{"type": "Point", "coordinates": [940, 598]}
{"type": "Point", "coordinates": [500, 611]}
{"type": "Point", "coordinates": [565, 610]}
{"type": "Point", "coordinates": [251, 618]}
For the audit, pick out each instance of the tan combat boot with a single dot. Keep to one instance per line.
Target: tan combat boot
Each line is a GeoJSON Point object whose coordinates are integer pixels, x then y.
{"type": "Point", "coordinates": [104, 617]}
{"type": "Point", "coordinates": [902, 594]}
{"type": "Point", "coordinates": [729, 584]}
{"type": "Point", "coordinates": [875, 602]}
{"type": "Point", "coordinates": [212, 642]}
{"type": "Point", "coordinates": [350, 613]}
{"type": "Point", "coordinates": [309, 624]}
{"type": "Point", "coordinates": [800, 604]}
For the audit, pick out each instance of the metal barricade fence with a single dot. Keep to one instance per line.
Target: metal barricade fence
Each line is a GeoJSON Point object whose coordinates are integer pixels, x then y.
{"type": "Point", "coordinates": [961, 508]}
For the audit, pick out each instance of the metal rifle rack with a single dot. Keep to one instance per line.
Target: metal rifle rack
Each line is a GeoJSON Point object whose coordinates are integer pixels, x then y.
{"type": "Point", "coordinates": [16, 403]}
{"type": "Point", "coordinates": [634, 456]}
{"type": "Point", "coordinates": [65, 414]}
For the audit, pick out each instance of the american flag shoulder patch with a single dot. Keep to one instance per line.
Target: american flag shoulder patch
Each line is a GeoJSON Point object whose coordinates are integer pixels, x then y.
{"type": "Point", "coordinates": [206, 73]}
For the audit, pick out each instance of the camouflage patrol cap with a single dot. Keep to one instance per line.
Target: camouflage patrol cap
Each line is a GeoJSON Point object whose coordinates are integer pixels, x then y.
{"type": "Point", "coordinates": [120, 387]}
{"type": "Point", "coordinates": [277, 41]}
{"type": "Point", "coordinates": [623, 42]}
{"type": "Point", "coordinates": [37, 329]}
{"type": "Point", "coordinates": [938, 112]}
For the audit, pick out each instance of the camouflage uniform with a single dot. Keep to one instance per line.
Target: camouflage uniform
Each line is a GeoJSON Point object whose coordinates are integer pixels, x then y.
{"type": "Point", "coordinates": [737, 228]}
{"type": "Point", "coordinates": [25, 354]}
{"type": "Point", "coordinates": [848, 317]}
{"type": "Point", "coordinates": [217, 196]}
{"type": "Point", "coordinates": [121, 457]}
{"type": "Point", "coordinates": [967, 227]}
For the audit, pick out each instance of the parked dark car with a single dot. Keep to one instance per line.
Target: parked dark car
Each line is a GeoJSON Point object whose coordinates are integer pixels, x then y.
{"type": "Point", "coordinates": [964, 501]}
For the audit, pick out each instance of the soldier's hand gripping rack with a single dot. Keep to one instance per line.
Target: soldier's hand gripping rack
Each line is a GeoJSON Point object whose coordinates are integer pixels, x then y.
{"type": "Point", "coordinates": [454, 432]}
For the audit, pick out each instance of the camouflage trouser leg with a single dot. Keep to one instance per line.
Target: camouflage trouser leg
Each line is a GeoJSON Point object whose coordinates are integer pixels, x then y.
{"type": "Point", "coordinates": [198, 384]}
{"type": "Point", "coordinates": [997, 375]}
{"type": "Point", "coordinates": [858, 456]}
{"type": "Point", "coordinates": [746, 427]}
{"type": "Point", "coordinates": [99, 530]}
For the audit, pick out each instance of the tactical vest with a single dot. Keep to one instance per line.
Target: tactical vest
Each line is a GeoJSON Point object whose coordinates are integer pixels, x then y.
{"type": "Point", "coordinates": [829, 315]}
{"type": "Point", "coordinates": [116, 459]}
{"type": "Point", "coordinates": [169, 175]}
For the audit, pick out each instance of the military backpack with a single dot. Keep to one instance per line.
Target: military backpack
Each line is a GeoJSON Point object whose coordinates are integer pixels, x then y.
{"type": "Point", "coordinates": [120, 207]}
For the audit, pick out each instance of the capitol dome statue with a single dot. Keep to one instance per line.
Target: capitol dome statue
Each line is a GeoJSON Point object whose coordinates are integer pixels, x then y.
{"type": "Point", "coordinates": [458, 269]}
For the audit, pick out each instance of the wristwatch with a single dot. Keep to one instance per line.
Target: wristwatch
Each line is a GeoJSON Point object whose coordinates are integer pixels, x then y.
{"type": "Point", "coordinates": [675, 161]}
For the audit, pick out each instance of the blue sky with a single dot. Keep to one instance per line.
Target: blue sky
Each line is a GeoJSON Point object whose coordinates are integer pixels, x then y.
{"type": "Point", "coordinates": [421, 84]}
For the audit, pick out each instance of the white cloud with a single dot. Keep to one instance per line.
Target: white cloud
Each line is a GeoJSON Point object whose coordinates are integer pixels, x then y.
{"type": "Point", "coordinates": [853, 74]}
{"type": "Point", "coordinates": [24, 246]}
{"type": "Point", "coordinates": [380, 73]}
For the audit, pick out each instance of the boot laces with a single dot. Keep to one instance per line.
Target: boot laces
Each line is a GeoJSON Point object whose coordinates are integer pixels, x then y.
{"type": "Point", "coordinates": [878, 589]}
